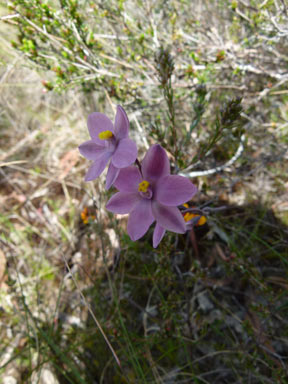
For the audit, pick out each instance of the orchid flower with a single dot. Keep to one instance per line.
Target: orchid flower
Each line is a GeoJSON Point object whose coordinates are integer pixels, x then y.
{"type": "Point", "coordinates": [151, 194]}
{"type": "Point", "coordinates": [107, 142]}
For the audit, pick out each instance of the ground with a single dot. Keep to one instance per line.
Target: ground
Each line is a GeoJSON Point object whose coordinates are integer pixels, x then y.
{"type": "Point", "coordinates": [79, 301]}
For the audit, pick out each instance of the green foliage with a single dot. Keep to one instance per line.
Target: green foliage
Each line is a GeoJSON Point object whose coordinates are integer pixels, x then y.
{"type": "Point", "coordinates": [166, 311]}
{"type": "Point", "coordinates": [115, 48]}
{"type": "Point", "coordinates": [64, 38]}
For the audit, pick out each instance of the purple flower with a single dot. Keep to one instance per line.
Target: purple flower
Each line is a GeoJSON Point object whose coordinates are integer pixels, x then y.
{"type": "Point", "coordinates": [151, 195]}
{"type": "Point", "coordinates": [108, 142]}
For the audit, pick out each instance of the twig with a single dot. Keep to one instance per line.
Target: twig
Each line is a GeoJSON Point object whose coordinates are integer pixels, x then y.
{"type": "Point", "coordinates": [12, 163]}
{"type": "Point", "coordinates": [8, 17]}
{"type": "Point", "coordinates": [148, 352]}
{"type": "Point", "coordinates": [91, 312]}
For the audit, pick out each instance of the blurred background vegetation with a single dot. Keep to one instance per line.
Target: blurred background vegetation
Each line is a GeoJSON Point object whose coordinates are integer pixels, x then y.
{"type": "Point", "coordinates": [208, 80]}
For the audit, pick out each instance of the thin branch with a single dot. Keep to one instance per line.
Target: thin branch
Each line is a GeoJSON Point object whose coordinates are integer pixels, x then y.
{"type": "Point", "coordinates": [221, 168]}
{"type": "Point", "coordinates": [91, 312]}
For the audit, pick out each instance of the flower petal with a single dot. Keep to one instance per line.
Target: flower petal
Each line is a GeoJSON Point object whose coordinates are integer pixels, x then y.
{"type": "Point", "coordinates": [169, 218]}
{"type": "Point", "coordinates": [112, 175]}
{"type": "Point", "coordinates": [174, 190]}
{"type": "Point", "coordinates": [155, 163]}
{"type": "Point", "coordinates": [121, 123]}
{"type": "Point", "coordinates": [122, 202]}
{"type": "Point", "coordinates": [125, 153]}
{"type": "Point", "coordinates": [97, 167]}
{"type": "Point", "coordinates": [128, 179]}
{"type": "Point", "coordinates": [158, 234]}
{"type": "Point", "coordinates": [140, 219]}
{"type": "Point", "coordinates": [98, 122]}
{"type": "Point", "coordinates": [91, 150]}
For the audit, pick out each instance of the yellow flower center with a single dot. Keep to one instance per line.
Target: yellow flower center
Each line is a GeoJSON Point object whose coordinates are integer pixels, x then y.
{"type": "Point", "coordinates": [105, 135]}
{"type": "Point", "coordinates": [143, 186]}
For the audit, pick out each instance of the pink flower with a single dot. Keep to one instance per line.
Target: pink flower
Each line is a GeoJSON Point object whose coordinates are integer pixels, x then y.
{"type": "Point", "coordinates": [151, 195]}
{"type": "Point", "coordinates": [107, 142]}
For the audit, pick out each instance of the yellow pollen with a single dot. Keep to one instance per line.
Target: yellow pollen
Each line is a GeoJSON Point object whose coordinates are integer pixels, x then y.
{"type": "Point", "coordinates": [143, 186]}
{"type": "Point", "coordinates": [105, 135]}
{"type": "Point", "coordinates": [189, 216]}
